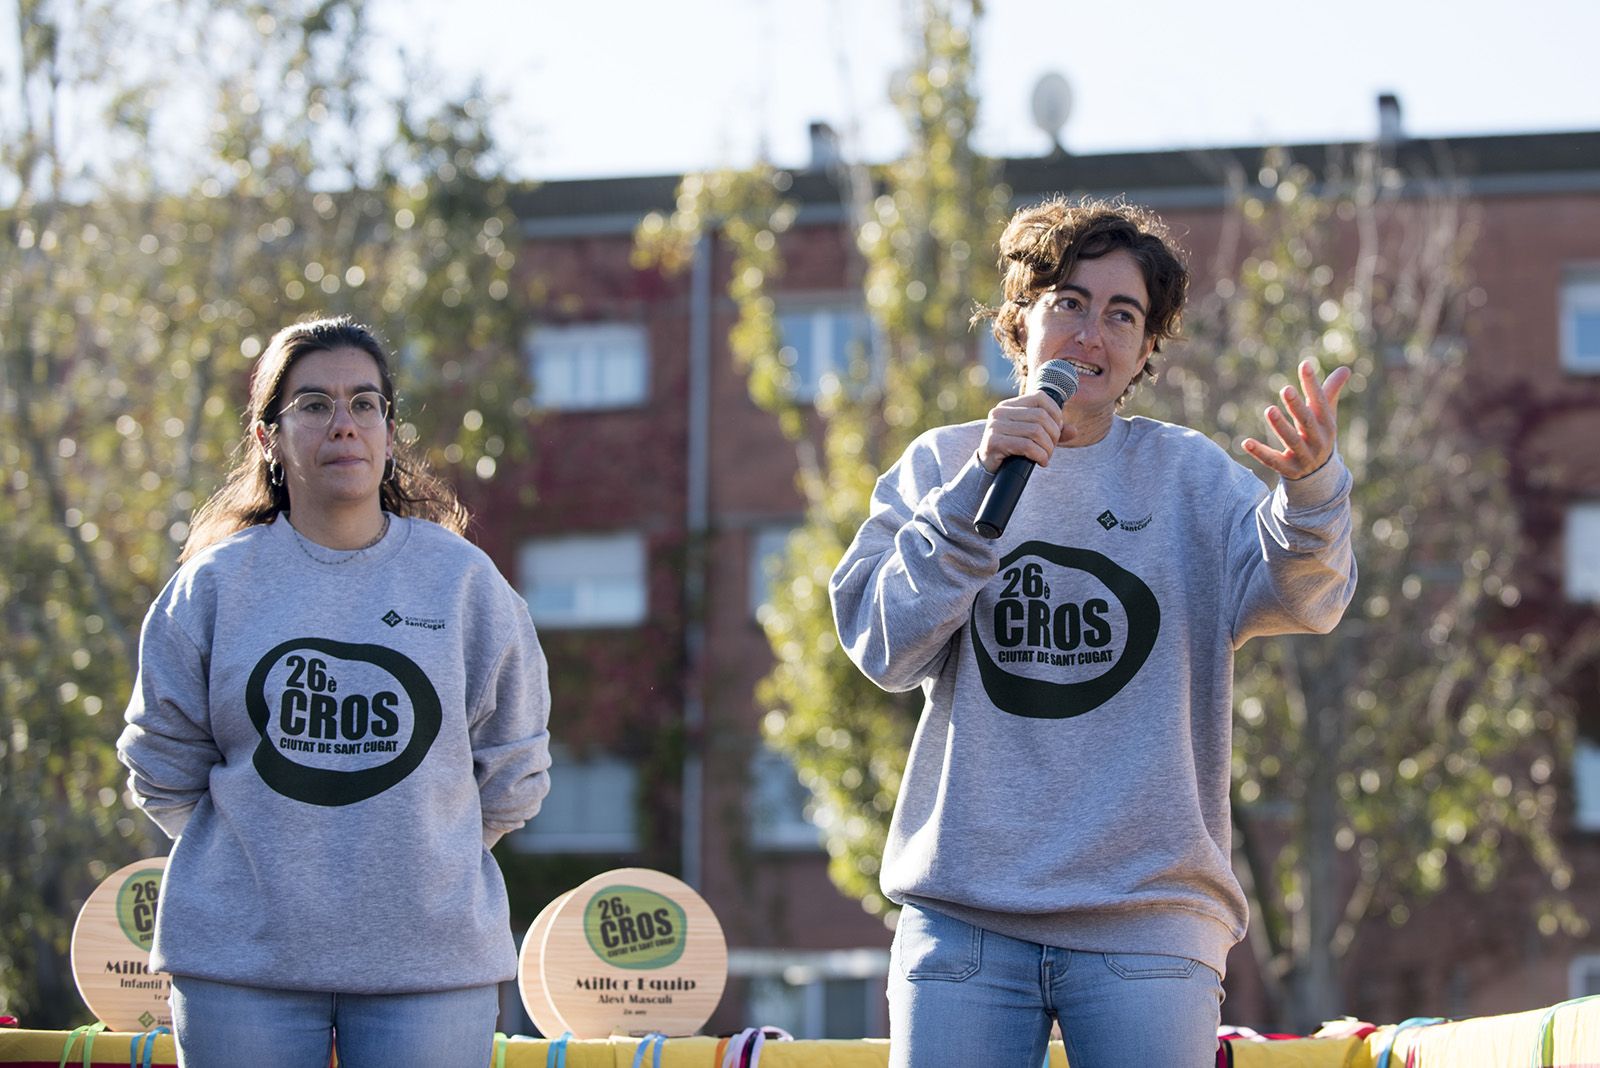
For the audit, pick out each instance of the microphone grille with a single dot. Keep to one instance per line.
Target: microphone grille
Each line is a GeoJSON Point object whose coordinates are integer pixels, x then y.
{"type": "Point", "coordinates": [1058, 376]}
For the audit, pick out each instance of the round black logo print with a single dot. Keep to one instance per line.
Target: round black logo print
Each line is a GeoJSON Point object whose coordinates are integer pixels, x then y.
{"type": "Point", "coordinates": [1060, 631]}
{"type": "Point", "coordinates": [339, 722]}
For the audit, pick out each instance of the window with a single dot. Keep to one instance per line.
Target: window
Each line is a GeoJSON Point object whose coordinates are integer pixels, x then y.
{"type": "Point", "coordinates": [836, 993]}
{"type": "Point", "coordinates": [820, 341]}
{"type": "Point", "coordinates": [1586, 788]}
{"type": "Point", "coordinates": [1583, 552]}
{"type": "Point", "coordinates": [778, 803]}
{"type": "Point", "coordinates": [1583, 976]}
{"type": "Point", "coordinates": [1580, 321]}
{"type": "Point", "coordinates": [589, 365]}
{"type": "Point", "coordinates": [591, 808]}
{"type": "Point", "coordinates": [1002, 372]}
{"type": "Point", "coordinates": [596, 581]}
{"type": "Point", "coordinates": [766, 546]}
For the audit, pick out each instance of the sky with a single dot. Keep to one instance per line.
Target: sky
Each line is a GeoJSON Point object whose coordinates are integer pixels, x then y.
{"type": "Point", "coordinates": [599, 88]}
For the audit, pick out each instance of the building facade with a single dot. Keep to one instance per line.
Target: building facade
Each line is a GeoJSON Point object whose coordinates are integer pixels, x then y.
{"type": "Point", "coordinates": [657, 489]}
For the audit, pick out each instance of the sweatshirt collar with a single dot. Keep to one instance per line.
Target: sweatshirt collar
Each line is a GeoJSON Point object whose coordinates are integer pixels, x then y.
{"type": "Point", "coordinates": [340, 561]}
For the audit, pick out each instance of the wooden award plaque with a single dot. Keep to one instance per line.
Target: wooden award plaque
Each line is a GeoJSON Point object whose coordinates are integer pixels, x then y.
{"type": "Point", "coordinates": [111, 950]}
{"type": "Point", "coordinates": [531, 984]}
{"type": "Point", "coordinates": [633, 951]}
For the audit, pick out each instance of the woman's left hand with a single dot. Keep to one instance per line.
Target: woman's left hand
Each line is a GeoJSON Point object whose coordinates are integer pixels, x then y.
{"type": "Point", "coordinates": [1309, 430]}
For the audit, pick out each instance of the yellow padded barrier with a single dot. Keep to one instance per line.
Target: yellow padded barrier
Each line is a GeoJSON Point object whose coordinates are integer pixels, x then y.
{"type": "Point", "coordinates": [1305, 1053]}
{"type": "Point", "coordinates": [110, 1047]}
{"type": "Point", "coordinates": [30, 1048]}
{"type": "Point", "coordinates": [1564, 1036]}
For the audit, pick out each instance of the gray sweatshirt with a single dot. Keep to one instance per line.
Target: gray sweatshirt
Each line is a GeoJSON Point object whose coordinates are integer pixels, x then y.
{"type": "Point", "coordinates": [1068, 780]}
{"type": "Point", "coordinates": [335, 740]}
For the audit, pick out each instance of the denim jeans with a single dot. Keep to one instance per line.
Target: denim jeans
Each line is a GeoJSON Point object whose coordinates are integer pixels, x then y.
{"type": "Point", "coordinates": [962, 996]}
{"type": "Point", "coordinates": [218, 1025]}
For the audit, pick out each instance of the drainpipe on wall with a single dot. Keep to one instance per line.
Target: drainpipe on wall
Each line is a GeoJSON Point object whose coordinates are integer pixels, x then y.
{"type": "Point", "coordinates": [694, 576]}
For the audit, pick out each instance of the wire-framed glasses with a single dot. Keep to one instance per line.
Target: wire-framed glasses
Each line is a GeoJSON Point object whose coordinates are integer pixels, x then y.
{"type": "Point", "coordinates": [367, 410]}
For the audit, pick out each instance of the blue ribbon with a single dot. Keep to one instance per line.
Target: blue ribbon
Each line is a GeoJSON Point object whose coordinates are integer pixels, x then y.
{"type": "Point", "coordinates": [556, 1055]}
{"type": "Point", "coordinates": [654, 1041]}
{"type": "Point", "coordinates": [1415, 1021]}
{"type": "Point", "coordinates": [143, 1047]}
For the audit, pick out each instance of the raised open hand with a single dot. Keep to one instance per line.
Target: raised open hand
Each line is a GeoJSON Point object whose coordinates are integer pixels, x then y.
{"type": "Point", "coordinates": [1309, 430]}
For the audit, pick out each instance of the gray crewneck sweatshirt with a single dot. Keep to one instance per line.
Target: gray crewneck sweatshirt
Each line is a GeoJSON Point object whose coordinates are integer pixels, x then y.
{"type": "Point", "coordinates": [335, 739]}
{"type": "Point", "coordinates": [1068, 780]}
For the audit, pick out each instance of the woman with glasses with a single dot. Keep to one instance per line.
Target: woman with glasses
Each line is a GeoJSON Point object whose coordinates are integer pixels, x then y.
{"type": "Point", "coordinates": [341, 705]}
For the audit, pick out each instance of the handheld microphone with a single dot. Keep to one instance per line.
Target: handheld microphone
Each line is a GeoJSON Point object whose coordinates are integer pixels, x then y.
{"type": "Point", "coordinates": [1059, 379]}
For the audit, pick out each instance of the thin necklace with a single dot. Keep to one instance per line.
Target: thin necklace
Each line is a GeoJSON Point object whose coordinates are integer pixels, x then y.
{"type": "Point", "coordinates": [349, 554]}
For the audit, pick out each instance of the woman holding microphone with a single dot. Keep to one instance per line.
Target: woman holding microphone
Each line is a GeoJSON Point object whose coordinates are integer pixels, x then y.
{"type": "Point", "coordinates": [1060, 846]}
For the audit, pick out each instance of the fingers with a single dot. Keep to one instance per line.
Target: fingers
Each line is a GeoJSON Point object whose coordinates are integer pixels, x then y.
{"type": "Point", "coordinates": [1322, 399]}
{"type": "Point", "coordinates": [1029, 425]}
{"type": "Point", "coordinates": [1288, 434]}
{"type": "Point", "coordinates": [1333, 386]}
{"type": "Point", "coordinates": [1306, 425]}
{"type": "Point", "coordinates": [1304, 421]}
{"type": "Point", "coordinates": [1276, 459]}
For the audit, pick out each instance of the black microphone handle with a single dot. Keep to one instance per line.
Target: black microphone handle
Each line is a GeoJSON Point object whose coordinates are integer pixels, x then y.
{"type": "Point", "coordinates": [1006, 489]}
{"type": "Point", "coordinates": [1004, 492]}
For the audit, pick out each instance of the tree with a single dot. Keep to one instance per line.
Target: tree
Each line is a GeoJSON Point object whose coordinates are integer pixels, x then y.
{"type": "Point", "coordinates": [174, 196]}
{"type": "Point", "coordinates": [1418, 737]}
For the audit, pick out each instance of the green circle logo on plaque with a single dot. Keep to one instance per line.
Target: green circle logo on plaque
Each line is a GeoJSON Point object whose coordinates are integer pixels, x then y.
{"type": "Point", "coordinates": [631, 927]}
{"type": "Point", "coordinates": [630, 951]}
{"type": "Point", "coordinates": [136, 906]}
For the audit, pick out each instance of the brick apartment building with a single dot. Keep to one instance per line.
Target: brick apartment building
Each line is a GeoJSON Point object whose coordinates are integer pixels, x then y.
{"type": "Point", "coordinates": [639, 530]}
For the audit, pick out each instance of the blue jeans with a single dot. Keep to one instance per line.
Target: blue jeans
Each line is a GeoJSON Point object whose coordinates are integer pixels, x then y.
{"type": "Point", "coordinates": [218, 1025]}
{"type": "Point", "coordinates": [960, 995]}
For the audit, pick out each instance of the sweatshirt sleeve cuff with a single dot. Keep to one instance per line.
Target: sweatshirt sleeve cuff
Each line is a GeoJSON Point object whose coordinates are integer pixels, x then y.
{"type": "Point", "coordinates": [172, 821]}
{"type": "Point", "coordinates": [1320, 488]}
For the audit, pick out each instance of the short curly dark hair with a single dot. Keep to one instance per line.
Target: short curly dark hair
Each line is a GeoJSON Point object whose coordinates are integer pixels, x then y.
{"type": "Point", "coordinates": [1043, 243]}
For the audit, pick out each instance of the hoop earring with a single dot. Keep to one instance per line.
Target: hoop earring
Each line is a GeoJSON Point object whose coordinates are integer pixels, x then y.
{"type": "Point", "coordinates": [275, 473]}
{"type": "Point", "coordinates": [389, 470]}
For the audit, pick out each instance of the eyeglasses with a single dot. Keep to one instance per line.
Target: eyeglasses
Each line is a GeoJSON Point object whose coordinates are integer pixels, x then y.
{"type": "Point", "coordinates": [367, 410]}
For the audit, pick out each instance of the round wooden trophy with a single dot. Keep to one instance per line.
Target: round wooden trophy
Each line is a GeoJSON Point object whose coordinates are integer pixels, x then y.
{"type": "Point", "coordinates": [633, 951]}
{"type": "Point", "coordinates": [534, 996]}
{"type": "Point", "coordinates": [111, 950]}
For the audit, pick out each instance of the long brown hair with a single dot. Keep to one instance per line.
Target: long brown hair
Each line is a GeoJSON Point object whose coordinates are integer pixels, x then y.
{"type": "Point", "coordinates": [248, 498]}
